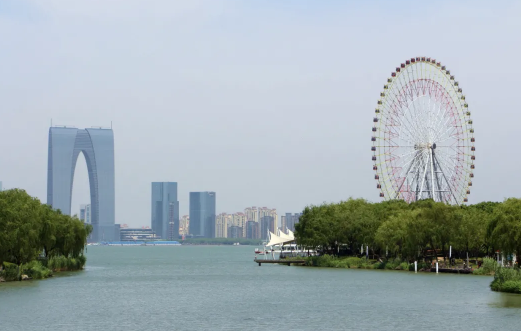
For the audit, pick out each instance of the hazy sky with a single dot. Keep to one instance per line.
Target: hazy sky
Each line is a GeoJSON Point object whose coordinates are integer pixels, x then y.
{"type": "Point", "coordinates": [267, 103]}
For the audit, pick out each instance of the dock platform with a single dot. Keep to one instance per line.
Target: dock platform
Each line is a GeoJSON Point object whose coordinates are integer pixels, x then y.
{"type": "Point", "coordinates": [452, 271]}
{"type": "Point", "coordinates": [283, 261]}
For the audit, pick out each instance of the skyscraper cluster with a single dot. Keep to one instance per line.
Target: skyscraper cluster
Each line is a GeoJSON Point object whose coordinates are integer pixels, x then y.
{"type": "Point", "coordinates": [97, 145]}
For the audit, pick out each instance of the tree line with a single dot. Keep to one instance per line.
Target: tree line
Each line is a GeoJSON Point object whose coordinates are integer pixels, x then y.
{"type": "Point", "coordinates": [423, 229]}
{"type": "Point", "coordinates": [30, 229]}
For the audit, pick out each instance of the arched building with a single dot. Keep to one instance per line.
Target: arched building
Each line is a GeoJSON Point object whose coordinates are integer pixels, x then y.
{"type": "Point", "coordinates": [97, 145]}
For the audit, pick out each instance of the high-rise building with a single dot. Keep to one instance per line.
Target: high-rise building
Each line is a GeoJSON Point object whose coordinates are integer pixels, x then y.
{"type": "Point", "coordinates": [252, 230]}
{"type": "Point", "coordinates": [239, 219]}
{"type": "Point", "coordinates": [82, 213]}
{"type": "Point", "coordinates": [273, 213]}
{"type": "Point", "coordinates": [202, 214]}
{"type": "Point", "coordinates": [291, 220]}
{"type": "Point", "coordinates": [165, 210]}
{"type": "Point", "coordinates": [0, 186]}
{"type": "Point", "coordinates": [184, 225]}
{"type": "Point", "coordinates": [222, 222]}
{"type": "Point", "coordinates": [267, 223]}
{"type": "Point", "coordinates": [85, 214]}
{"type": "Point", "coordinates": [235, 232]}
{"type": "Point", "coordinates": [264, 211]}
{"type": "Point", "coordinates": [283, 223]}
{"type": "Point", "coordinates": [97, 145]}
{"type": "Point", "coordinates": [88, 214]}
{"type": "Point", "coordinates": [251, 214]}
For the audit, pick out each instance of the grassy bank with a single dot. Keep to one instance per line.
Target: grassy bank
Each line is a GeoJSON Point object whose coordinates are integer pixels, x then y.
{"type": "Point", "coordinates": [40, 269]}
{"type": "Point", "coordinates": [328, 261]}
{"type": "Point", "coordinates": [488, 267]}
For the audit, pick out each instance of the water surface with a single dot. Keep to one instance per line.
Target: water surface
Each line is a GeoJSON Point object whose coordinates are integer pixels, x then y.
{"type": "Point", "coordinates": [220, 288]}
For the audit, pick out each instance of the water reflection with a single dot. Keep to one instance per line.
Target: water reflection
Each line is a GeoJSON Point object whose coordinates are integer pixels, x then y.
{"type": "Point", "coordinates": [507, 300]}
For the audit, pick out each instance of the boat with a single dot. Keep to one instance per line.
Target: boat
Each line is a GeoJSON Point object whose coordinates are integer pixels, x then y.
{"type": "Point", "coordinates": [258, 251]}
{"type": "Point", "coordinates": [236, 244]}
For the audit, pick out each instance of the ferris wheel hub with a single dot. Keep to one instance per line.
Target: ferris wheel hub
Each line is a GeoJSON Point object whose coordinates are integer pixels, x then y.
{"type": "Point", "coordinates": [425, 146]}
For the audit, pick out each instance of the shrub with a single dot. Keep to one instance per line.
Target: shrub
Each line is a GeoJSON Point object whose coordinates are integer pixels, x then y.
{"type": "Point", "coordinates": [511, 286]}
{"type": "Point", "coordinates": [57, 263]}
{"type": "Point", "coordinates": [507, 280]}
{"type": "Point", "coordinates": [36, 270]}
{"type": "Point", "coordinates": [354, 262]}
{"type": "Point", "coordinates": [403, 266]}
{"type": "Point", "coordinates": [488, 267]}
{"type": "Point", "coordinates": [10, 272]}
{"type": "Point", "coordinates": [61, 263]}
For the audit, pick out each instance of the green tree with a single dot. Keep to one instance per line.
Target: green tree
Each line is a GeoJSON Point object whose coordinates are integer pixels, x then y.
{"type": "Point", "coordinates": [20, 219]}
{"type": "Point", "coordinates": [505, 227]}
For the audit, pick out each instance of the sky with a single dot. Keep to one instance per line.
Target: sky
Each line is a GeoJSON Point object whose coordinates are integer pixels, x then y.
{"type": "Point", "coordinates": [267, 103]}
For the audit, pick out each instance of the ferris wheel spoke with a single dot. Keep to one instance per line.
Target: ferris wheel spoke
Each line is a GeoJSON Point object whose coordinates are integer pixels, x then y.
{"type": "Point", "coordinates": [449, 186]}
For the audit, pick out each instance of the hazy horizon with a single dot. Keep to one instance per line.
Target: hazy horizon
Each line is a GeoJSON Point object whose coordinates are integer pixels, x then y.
{"type": "Point", "coordinates": [268, 104]}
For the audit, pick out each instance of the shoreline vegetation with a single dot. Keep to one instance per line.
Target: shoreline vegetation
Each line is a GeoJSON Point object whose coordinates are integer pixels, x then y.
{"type": "Point", "coordinates": [37, 241]}
{"type": "Point", "coordinates": [394, 234]}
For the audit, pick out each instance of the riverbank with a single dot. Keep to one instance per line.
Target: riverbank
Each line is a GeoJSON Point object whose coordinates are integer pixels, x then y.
{"type": "Point", "coordinates": [488, 266]}
{"type": "Point", "coordinates": [40, 269]}
{"type": "Point", "coordinates": [506, 279]}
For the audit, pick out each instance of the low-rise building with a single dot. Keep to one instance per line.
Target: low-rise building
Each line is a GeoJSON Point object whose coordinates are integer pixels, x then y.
{"type": "Point", "coordinates": [137, 234]}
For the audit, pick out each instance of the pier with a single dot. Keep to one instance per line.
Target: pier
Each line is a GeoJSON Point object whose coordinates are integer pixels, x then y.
{"type": "Point", "coordinates": [280, 261]}
{"type": "Point", "coordinates": [452, 271]}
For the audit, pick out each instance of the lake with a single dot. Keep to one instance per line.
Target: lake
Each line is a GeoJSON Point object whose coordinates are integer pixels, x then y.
{"type": "Point", "coordinates": [220, 288]}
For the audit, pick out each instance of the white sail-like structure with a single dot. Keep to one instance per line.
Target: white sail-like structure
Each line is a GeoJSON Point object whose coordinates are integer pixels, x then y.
{"type": "Point", "coordinates": [286, 236]}
{"type": "Point", "coordinates": [280, 239]}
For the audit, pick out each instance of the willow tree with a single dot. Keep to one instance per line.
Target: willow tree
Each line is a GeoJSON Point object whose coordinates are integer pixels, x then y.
{"type": "Point", "coordinates": [505, 227]}
{"type": "Point", "coordinates": [20, 219]}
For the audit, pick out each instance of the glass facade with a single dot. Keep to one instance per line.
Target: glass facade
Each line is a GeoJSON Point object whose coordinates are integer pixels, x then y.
{"type": "Point", "coordinates": [165, 210]}
{"type": "Point", "coordinates": [202, 214]}
{"type": "Point", "coordinates": [97, 145]}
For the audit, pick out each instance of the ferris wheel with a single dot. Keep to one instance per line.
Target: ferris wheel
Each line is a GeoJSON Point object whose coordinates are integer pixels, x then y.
{"type": "Point", "coordinates": [423, 138]}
